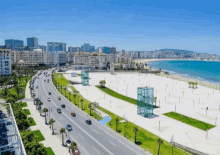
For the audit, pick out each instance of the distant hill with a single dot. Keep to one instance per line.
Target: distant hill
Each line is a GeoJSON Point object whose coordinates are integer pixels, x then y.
{"type": "Point", "coordinates": [177, 51]}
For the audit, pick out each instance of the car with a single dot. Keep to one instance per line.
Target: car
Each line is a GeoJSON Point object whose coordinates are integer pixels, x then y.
{"type": "Point", "coordinates": [36, 87]}
{"type": "Point", "coordinates": [44, 80]}
{"type": "Point", "coordinates": [48, 99]}
{"type": "Point", "coordinates": [63, 106]}
{"type": "Point", "coordinates": [89, 122]}
{"type": "Point", "coordinates": [39, 107]}
{"type": "Point", "coordinates": [68, 143]}
{"type": "Point", "coordinates": [58, 110]}
{"type": "Point", "coordinates": [59, 98]}
{"type": "Point", "coordinates": [49, 93]}
{"type": "Point", "coordinates": [73, 114]}
{"type": "Point", "coordinates": [68, 127]}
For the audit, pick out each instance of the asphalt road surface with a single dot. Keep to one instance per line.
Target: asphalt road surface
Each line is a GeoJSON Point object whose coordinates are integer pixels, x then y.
{"type": "Point", "coordinates": [92, 139]}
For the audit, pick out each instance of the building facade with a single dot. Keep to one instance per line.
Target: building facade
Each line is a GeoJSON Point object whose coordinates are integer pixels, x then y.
{"type": "Point", "coordinates": [73, 49]}
{"type": "Point", "coordinates": [62, 58]}
{"type": "Point", "coordinates": [56, 46]}
{"type": "Point", "coordinates": [87, 48]}
{"type": "Point", "coordinates": [32, 43]}
{"type": "Point", "coordinates": [92, 59]}
{"type": "Point", "coordinates": [5, 62]}
{"type": "Point", "coordinates": [43, 47]}
{"type": "Point", "coordinates": [112, 50]}
{"type": "Point", "coordinates": [14, 44]}
{"type": "Point", "coordinates": [29, 58]}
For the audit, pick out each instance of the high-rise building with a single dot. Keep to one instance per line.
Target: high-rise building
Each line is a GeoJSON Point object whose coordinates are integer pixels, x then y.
{"type": "Point", "coordinates": [87, 48]}
{"type": "Point", "coordinates": [14, 43]}
{"type": "Point", "coordinates": [73, 49]}
{"type": "Point", "coordinates": [112, 50]}
{"type": "Point", "coordinates": [5, 62]}
{"type": "Point", "coordinates": [43, 47]}
{"type": "Point", "coordinates": [32, 43]}
{"type": "Point", "coordinates": [56, 46]}
{"type": "Point", "coordinates": [106, 50]}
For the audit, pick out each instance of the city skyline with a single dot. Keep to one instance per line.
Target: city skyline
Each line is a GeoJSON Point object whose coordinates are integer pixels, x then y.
{"type": "Point", "coordinates": [145, 26]}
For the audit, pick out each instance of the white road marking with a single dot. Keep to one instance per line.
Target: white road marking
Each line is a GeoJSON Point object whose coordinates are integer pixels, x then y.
{"type": "Point", "coordinates": [80, 136]}
{"type": "Point", "coordinates": [61, 118]}
{"type": "Point", "coordinates": [112, 136]}
{"type": "Point", "coordinates": [84, 150]}
{"type": "Point", "coordinates": [106, 132]}
{"type": "Point", "coordinates": [112, 143]}
{"type": "Point", "coordinates": [97, 150]}
{"type": "Point", "coordinates": [81, 121]}
{"type": "Point", "coordinates": [95, 131]}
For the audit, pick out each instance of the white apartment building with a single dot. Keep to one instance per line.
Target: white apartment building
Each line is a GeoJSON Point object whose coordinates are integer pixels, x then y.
{"type": "Point", "coordinates": [29, 58]}
{"type": "Point", "coordinates": [5, 62]}
{"type": "Point", "coordinates": [93, 59]}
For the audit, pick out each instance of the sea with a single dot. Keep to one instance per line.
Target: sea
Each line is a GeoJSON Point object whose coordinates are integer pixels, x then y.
{"type": "Point", "coordinates": [207, 71]}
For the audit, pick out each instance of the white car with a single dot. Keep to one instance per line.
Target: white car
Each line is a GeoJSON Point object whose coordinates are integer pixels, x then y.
{"type": "Point", "coordinates": [68, 143]}
{"type": "Point", "coordinates": [48, 99]}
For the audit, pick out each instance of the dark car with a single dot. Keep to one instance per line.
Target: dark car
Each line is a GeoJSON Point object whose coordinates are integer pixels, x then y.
{"type": "Point", "coordinates": [63, 106]}
{"type": "Point", "coordinates": [49, 93]}
{"type": "Point", "coordinates": [58, 110]}
{"type": "Point", "coordinates": [73, 114]}
{"type": "Point", "coordinates": [68, 127]}
{"type": "Point", "coordinates": [89, 122]}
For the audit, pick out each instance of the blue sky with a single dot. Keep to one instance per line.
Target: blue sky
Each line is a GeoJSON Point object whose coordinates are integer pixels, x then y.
{"type": "Point", "coordinates": [126, 24]}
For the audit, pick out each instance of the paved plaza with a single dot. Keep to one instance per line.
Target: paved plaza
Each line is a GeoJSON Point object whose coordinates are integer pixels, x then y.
{"type": "Point", "coordinates": [170, 94]}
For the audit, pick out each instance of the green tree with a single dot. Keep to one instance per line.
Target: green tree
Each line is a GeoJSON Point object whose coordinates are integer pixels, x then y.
{"type": "Point", "coordinates": [22, 124]}
{"type": "Point", "coordinates": [40, 104]}
{"type": "Point", "coordinates": [116, 121]}
{"type": "Point", "coordinates": [74, 95]}
{"type": "Point", "coordinates": [73, 144]}
{"type": "Point", "coordinates": [51, 123]}
{"type": "Point", "coordinates": [45, 110]}
{"type": "Point", "coordinates": [102, 83]}
{"type": "Point", "coordinates": [82, 100]}
{"type": "Point", "coordinates": [62, 130]}
{"type": "Point", "coordinates": [90, 108]}
{"type": "Point", "coordinates": [159, 141]}
{"type": "Point", "coordinates": [135, 130]}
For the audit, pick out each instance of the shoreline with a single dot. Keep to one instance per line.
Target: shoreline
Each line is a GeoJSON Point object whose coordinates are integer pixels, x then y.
{"type": "Point", "coordinates": [177, 76]}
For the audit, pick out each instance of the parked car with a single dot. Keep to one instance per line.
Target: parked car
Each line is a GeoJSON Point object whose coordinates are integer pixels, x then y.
{"type": "Point", "coordinates": [89, 122]}
{"type": "Point", "coordinates": [68, 143]}
{"type": "Point", "coordinates": [63, 106]}
{"type": "Point", "coordinates": [58, 110]}
{"type": "Point", "coordinates": [73, 114]}
{"type": "Point", "coordinates": [49, 93]}
{"type": "Point", "coordinates": [48, 99]}
{"type": "Point", "coordinates": [68, 127]}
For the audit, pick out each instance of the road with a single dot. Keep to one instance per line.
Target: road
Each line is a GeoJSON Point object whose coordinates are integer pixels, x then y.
{"type": "Point", "coordinates": [92, 139]}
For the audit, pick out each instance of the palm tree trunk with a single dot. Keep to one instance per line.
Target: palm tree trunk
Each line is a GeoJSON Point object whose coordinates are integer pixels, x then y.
{"type": "Point", "coordinates": [135, 138]}
{"type": "Point", "coordinates": [45, 118]}
{"type": "Point", "coordinates": [62, 138]}
{"type": "Point", "coordinates": [158, 151]}
{"type": "Point", "coordinates": [52, 129]}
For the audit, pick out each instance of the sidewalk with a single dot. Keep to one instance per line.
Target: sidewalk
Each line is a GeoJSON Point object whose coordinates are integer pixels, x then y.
{"type": "Point", "coordinates": [50, 140]}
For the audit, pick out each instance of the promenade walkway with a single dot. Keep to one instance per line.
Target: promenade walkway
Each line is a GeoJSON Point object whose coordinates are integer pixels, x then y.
{"type": "Point", "coordinates": [50, 140]}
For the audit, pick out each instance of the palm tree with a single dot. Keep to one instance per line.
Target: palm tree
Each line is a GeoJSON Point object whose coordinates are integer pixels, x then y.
{"type": "Point", "coordinates": [196, 84]}
{"type": "Point", "coordinates": [65, 90]}
{"type": "Point", "coordinates": [160, 141]}
{"type": "Point", "coordinates": [116, 120]}
{"type": "Point", "coordinates": [90, 107]}
{"type": "Point", "coordinates": [155, 100]}
{"type": "Point", "coordinates": [51, 123]}
{"type": "Point", "coordinates": [35, 100]}
{"type": "Point", "coordinates": [193, 83]}
{"type": "Point", "coordinates": [135, 130]}
{"type": "Point", "coordinates": [74, 95]}
{"type": "Point", "coordinates": [45, 110]}
{"type": "Point", "coordinates": [62, 130]}
{"type": "Point", "coordinates": [17, 89]}
{"type": "Point", "coordinates": [82, 100]}
{"type": "Point", "coordinates": [40, 104]}
{"type": "Point", "coordinates": [69, 95]}
{"type": "Point", "coordinates": [102, 83]}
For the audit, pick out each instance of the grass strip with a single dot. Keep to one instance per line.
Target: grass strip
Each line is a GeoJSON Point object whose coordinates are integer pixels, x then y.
{"type": "Point", "coordinates": [31, 121]}
{"type": "Point", "coordinates": [27, 111]}
{"type": "Point", "coordinates": [39, 135]}
{"type": "Point", "coordinates": [190, 121]}
{"type": "Point", "coordinates": [119, 96]}
{"type": "Point", "coordinates": [50, 151]}
{"type": "Point", "coordinates": [23, 104]}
